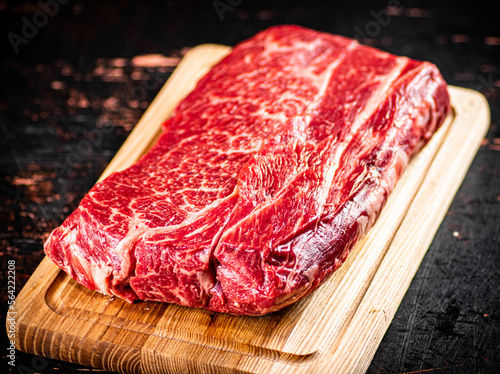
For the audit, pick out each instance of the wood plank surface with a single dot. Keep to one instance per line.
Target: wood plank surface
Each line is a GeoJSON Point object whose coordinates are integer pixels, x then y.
{"type": "Point", "coordinates": [337, 328]}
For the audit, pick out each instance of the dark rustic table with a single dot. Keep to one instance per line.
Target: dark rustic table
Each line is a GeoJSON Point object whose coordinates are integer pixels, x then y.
{"type": "Point", "coordinates": [72, 88]}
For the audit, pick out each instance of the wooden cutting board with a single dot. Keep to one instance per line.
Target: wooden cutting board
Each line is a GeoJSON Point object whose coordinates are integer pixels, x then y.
{"type": "Point", "coordinates": [336, 329]}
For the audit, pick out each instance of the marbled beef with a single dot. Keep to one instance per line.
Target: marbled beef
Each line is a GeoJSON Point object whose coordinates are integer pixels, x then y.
{"type": "Point", "coordinates": [265, 176]}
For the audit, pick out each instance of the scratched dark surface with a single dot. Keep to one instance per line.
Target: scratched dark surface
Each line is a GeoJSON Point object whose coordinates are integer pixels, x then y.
{"type": "Point", "coordinates": [75, 88]}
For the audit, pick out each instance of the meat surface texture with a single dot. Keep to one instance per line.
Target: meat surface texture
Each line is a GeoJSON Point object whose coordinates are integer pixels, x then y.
{"type": "Point", "coordinates": [264, 178]}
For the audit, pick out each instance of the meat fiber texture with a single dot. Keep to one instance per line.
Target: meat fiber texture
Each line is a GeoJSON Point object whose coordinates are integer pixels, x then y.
{"type": "Point", "coordinates": [263, 179]}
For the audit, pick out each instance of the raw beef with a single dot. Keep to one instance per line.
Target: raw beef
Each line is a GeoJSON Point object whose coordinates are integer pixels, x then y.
{"type": "Point", "coordinates": [265, 176]}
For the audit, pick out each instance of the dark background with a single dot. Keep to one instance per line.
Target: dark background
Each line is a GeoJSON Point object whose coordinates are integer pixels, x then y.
{"type": "Point", "coordinates": [76, 75]}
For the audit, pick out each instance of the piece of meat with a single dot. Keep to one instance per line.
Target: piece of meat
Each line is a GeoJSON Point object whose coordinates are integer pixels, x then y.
{"type": "Point", "coordinates": [265, 176]}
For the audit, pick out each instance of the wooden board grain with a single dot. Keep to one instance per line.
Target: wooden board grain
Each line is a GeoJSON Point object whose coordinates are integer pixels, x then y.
{"type": "Point", "coordinates": [336, 329]}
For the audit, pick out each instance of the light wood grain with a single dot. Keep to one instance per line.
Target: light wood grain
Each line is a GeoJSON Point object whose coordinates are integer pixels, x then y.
{"type": "Point", "coordinates": [337, 327]}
